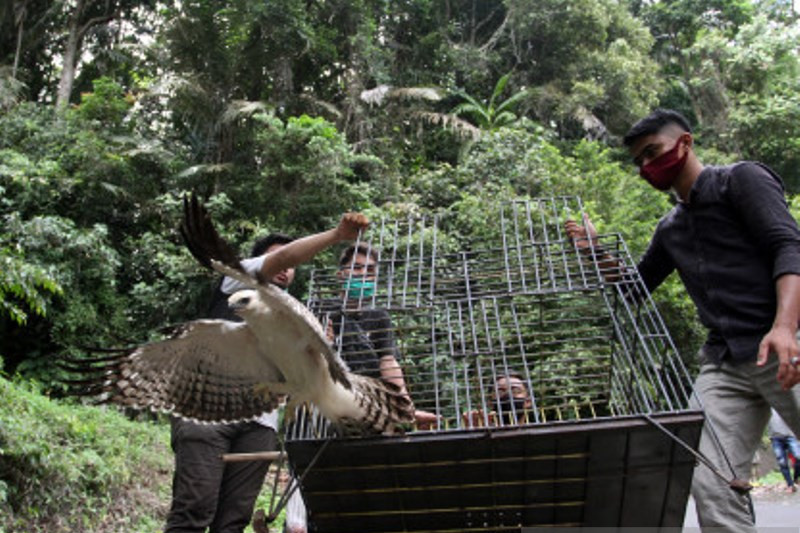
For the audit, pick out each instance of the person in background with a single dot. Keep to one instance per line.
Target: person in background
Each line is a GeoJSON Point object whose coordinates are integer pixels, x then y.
{"type": "Point", "coordinates": [784, 443]}
{"type": "Point", "coordinates": [510, 401]}
{"type": "Point", "coordinates": [365, 334]}
{"type": "Point", "coordinates": [209, 494]}
{"type": "Point", "coordinates": [736, 247]}
{"type": "Point", "coordinates": [365, 337]}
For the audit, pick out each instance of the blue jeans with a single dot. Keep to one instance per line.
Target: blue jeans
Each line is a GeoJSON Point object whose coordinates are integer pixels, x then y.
{"type": "Point", "coordinates": [782, 446]}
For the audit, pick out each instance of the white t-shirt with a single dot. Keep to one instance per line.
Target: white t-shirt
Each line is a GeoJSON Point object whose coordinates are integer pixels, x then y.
{"type": "Point", "coordinates": [251, 265]}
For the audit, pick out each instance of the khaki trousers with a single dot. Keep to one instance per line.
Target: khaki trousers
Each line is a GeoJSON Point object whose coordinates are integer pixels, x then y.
{"type": "Point", "coordinates": [736, 400]}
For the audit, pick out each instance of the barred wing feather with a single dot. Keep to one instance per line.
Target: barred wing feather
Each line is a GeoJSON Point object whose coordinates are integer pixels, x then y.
{"type": "Point", "coordinates": [208, 370]}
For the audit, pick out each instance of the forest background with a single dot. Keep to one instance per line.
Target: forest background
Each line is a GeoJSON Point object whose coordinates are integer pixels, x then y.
{"type": "Point", "coordinates": [282, 114]}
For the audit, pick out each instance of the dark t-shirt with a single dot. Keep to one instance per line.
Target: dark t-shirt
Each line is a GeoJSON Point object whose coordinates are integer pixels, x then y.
{"type": "Point", "coordinates": [362, 336]}
{"type": "Point", "coordinates": [219, 308]}
{"type": "Point", "coordinates": [729, 244]}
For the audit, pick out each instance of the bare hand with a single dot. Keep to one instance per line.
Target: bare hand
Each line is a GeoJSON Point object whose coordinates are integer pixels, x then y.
{"type": "Point", "coordinates": [425, 419]}
{"type": "Point", "coordinates": [350, 225]}
{"type": "Point", "coordinates": [329, 331]}
{"type": "Point", "coordinates": [580, 235]}
{"type": "Point", "coordinates": [782, 342]}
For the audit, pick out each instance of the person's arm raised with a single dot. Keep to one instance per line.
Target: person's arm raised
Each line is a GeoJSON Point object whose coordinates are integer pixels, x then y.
{"type": "Point", "coordinates": [304, 249]}
{"type": "Point", "coordinates": [585, 239]}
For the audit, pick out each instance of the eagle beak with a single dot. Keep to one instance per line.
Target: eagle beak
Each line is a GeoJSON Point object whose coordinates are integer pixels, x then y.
{"type": "Point", "coordinates": [237, 304]}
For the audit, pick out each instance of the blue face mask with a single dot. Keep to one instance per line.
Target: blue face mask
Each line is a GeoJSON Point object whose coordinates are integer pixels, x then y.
{"type": "Point", "coordinates": [359, 288]}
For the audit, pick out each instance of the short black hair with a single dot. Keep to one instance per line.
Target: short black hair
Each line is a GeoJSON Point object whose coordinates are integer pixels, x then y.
{"type": "Point", "coordinates": [654, 123]}
{"type": "Point", "coordinates": [263, 244]}
{"type": "Point", "coordinates": [510, 374]}
{"type": "Point", "coordinates": [363, 249]}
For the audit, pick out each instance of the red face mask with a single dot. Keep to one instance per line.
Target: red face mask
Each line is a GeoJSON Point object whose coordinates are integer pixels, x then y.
{"type": "Point", "coordinates": [662, 171]}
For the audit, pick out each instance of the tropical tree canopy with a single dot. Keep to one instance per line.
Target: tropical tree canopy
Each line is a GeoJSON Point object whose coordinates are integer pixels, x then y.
{"type": "Point", "coordinates": [283, 114]}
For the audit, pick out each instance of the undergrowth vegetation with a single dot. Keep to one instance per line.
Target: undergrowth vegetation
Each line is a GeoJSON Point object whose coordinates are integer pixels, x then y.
{"type": "Point", "coordinates": [67, 468]}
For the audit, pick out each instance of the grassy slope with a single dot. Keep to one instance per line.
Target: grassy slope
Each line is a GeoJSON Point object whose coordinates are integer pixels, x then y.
{"type": "Point", "coordinates": [74, 468]}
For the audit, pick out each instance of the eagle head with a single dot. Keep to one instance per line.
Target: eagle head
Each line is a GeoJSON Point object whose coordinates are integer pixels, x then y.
{"type": "Point", "coordinates": [245, 301]}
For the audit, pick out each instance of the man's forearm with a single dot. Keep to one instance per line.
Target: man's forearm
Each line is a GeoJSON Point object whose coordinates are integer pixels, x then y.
{"type": "Point", "coordinates": [298, 252]}
{"type": "Point", "coordinates": [391, 372]}
{"type": "Point", "coordinates": [787, 313]}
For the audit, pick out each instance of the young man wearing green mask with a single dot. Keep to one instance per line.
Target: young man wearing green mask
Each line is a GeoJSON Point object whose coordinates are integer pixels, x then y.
{"type": "Point", "coordinates": [366, 334]}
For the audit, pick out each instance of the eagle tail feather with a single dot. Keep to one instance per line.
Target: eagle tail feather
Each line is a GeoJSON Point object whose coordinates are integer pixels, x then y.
{"type": "Point", "coordinates": [386, 409]}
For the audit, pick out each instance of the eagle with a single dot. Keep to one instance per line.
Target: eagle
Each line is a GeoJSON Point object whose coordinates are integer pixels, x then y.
{"type": "Point", "coordinates": [220, 371]}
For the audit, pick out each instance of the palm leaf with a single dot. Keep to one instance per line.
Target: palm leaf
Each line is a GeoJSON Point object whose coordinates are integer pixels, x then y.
{"type": "Point", "coordinates": [382, 93]}
{"type": "Point", "coordinates": [375, 96]}
{"type": "Point", "coordinates": [239, 109]}
{"type": "Point", "coordinates": [214, 168]}
{"type": "Point", "coordinates": [450, 121]}
{"type": "Point", "coordinates": [498, 89]}
{"type": "Point", "coordinates": [511, 101]}
{"type": "Point", "coordinates": [474, 108]}
{"type": "Point", "coordinates": [431, 94]}
{"type": "Point", "coordinates": [326, 107]}
{"type": "Point", "coordinates": [504, 119]}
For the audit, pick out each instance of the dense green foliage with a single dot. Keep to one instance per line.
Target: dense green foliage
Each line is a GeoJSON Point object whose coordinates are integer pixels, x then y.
{"type": "Point", "coordinates": [68, 468]}
{"type": "Point", "coordinates": [282, 114]}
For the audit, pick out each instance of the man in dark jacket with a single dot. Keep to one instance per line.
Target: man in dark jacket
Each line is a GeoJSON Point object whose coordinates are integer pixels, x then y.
{"type": "Point", "coordinates": [736, 248]}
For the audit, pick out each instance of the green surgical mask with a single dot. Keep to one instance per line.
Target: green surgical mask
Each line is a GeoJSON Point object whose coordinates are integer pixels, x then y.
{"type": "Point", "coordinates": [359, 288]}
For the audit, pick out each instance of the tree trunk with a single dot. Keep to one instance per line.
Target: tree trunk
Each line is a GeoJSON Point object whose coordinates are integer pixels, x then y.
{"type": "Point", "coordinates": [70, 57]}
{"type": "Point", "coordinates": [19, 18]}
{"type": "Point", "coordinates": [283, 87]}
{"type": "Point", "coordinates": [72, 49]}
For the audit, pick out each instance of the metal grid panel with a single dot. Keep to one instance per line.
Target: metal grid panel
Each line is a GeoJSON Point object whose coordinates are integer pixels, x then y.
{"type": "Point", "coordinates": [530, 305]}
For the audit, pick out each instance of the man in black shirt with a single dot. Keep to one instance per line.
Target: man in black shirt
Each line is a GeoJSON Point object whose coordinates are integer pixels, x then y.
{"type": "Point", "coordinates": [736, 248]}
{"type": "Point", "coordinates": [209, 495]}
{"type": "Point", "coordinates": [363, 333]}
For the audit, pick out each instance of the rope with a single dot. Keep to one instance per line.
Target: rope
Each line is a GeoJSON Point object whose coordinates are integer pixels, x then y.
{"type": "Point", "coordinates": [740, 486]}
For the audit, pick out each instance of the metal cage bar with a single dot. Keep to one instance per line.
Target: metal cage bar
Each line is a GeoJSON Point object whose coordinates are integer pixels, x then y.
{"type": "Point", "coordinates": [542, 365]}
{"type": "Point", "coordinates": [584, 342]}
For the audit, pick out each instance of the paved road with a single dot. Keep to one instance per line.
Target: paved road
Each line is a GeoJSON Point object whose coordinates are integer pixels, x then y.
{"type": "Point", "coordinates": [775, 513]}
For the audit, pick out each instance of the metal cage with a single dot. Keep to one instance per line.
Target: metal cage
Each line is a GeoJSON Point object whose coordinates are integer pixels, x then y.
{"type": "Point", "coordinates": [607, 393]}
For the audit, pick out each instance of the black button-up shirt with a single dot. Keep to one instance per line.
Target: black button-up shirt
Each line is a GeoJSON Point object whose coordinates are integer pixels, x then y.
{"type": "Point", "coordinates": [730, 243]}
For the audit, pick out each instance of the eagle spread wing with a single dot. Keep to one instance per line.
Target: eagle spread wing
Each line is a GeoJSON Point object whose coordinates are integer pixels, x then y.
{"type": "Point", "coordinates": [207, 370]}
{"type": "Point", "coordinates": [217, 370]}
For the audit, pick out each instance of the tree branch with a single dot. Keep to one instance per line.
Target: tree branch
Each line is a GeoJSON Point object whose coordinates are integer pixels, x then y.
{"type": "Point", "coordinates": [94, 22]}
{"type": "Point", "coordinates": [487, 19]}
{"type": "Point", "coordinates": [489, 44]}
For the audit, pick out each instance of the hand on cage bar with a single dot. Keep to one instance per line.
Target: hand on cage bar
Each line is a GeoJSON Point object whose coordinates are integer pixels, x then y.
{"type": "Point", "coordinates": [350, 225]}
{"type": "Point", "coordinates": [425, 420]}
{"type": "Point", "coordinates": [581, 235]}
{"type": "Point", "coordinates": [585, 239]}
